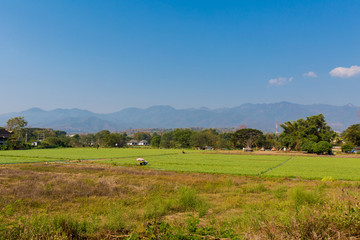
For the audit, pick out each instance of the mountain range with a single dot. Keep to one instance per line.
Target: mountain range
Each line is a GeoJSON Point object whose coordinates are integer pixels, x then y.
{"type": "Point", "coordinates": [259, 116]}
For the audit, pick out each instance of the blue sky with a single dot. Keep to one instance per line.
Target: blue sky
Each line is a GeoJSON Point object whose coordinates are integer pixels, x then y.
{"type": "Point", "coordinates": [105, 56]}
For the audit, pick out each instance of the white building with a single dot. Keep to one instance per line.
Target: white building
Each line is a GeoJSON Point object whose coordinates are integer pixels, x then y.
{"type": "Point", "coordinates": [143, 143]}
{"type": "Point", "coordinates": [132, 143]}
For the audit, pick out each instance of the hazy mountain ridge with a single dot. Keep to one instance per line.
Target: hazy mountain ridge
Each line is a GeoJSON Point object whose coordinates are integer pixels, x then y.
{"type": "Point", "coordinates": [259, 116]}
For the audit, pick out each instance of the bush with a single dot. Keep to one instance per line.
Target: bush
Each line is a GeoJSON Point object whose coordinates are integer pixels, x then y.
{"type": "Point", "coordinates": [308, 146]}
{"type": "Point", "coordinates": [300, 196]}
{"type": "Point", "coordinates": [55, 142]}
{"type": "Point", "coordinates": [158, 207]}
{"type": "Point", "coordinates": [188, 200]}
{"type": "Point", "coordinates": [322, 147]}
{"type": "Point", "coordinates": [47, 227]}
{"type": "Point", "coordinates": [115, 219]}
{"type": "Point", "coordinates": [347, 147]}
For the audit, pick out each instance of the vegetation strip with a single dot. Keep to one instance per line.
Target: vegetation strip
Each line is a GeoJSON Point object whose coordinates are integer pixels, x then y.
{"type": "Point", "coordinates": [51, 159]}
{"type": "Point", "coordinates": [126, 157]}
{"type": "Point", "coordinates": [15, 156]}
{"type": "Point", "coordinates": [276, 166]}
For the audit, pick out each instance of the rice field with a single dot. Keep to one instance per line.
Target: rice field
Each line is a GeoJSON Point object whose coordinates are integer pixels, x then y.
{"type": "Point", "coordinates": [307, 167]}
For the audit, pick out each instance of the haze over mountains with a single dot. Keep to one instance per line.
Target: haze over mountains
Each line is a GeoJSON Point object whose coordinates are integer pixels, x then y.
{"type": "Point", "coordinates": [259, 116]}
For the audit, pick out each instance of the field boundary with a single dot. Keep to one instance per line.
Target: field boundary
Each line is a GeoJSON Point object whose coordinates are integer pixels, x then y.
{"type": "Point", "coordinates": [279, 165]}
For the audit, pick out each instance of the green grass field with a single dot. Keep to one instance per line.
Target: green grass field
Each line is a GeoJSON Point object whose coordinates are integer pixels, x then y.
{"type": "Point", "coordinates": [200, 161]}
{"type": "Point", "coordinates": [61, 154]}
{"type": "Point", "coordinates": [209, 163]}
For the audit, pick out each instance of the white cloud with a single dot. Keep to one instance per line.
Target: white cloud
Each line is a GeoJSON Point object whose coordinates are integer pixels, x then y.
{"type": "Point", "coordinates": [310, 74]}
{"type": "Point", "coordinates": [345, 72]}
{"type": "Point", "coordinates": [280, 81]}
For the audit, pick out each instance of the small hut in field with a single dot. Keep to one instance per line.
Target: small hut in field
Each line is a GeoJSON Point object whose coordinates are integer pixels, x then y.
{"type": "Point", "coordinates": [247, 149]}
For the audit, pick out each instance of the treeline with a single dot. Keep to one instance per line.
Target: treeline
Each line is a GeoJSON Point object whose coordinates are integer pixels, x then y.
{"type": "Point", "coordinates": [312, 135]}
{"type": "Point", "coordinates": [49, 138]}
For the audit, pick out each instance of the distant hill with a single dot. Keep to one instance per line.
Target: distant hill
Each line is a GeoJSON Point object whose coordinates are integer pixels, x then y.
{"type": "Point", "coordinates": [259, 116]}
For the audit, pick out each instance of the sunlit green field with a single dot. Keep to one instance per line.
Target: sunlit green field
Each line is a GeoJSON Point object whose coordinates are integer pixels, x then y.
{"type": "Point", "coordinates": [210, 163]}
{"type": "Point", "coordinates": [61, 154]}
{"type": "Point", "coordinates": [200, 161]}
{"type": "Point", "coordinates": [320, 167]}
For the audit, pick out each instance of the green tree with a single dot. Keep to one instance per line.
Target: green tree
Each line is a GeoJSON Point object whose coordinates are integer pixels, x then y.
{"type": "Point", "coordinates": [100, 136]}
{"type": "Point", "coordinates": [205, 138]}
{"type": "Point", "coordinates": [313, 128]}
{"type": "Point", "coordinates": [75, 141]}
{"type": "Point", "coordinates": [308, 146]}
{"type": "Point", "coordinates": [88, 140]}
{"type": "Point", "coordinates": [155, 141]}
{"type": "Point", "coordinates": [347, 147]}
{"type": "Point", "coordinates": [182, 137]}
{"type": "Point", "coordinates": [322, 147]}
{"type": "Point", "coordinates": [352, 134]}
{"type": "Point", "coordinates": [271, 140]}
{"type": "Point", "coordinates": [115, 140]}
{"type": "Point", "coordinates": [44, 133]}
{"type": "Point", "coordinates": [59, 133]}
{"type": "Point", "coordinates": [199, 139]}
{"type": "Point", "coordinates": [247, 137]}
{"type": "Point", "coordinates": [16, 125]}
{"type": "Point", "coordinates": [225, 140]}
{"type": "Point", "coordinates": [167, 140]}
{"type": "Point", "coordinates": [55, 142]}
{"type": "Point", "coordinates": [139, 136]}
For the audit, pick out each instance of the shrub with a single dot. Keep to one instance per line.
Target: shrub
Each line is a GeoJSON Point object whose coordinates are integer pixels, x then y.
{"type": "Point", "coordinates": [115, 219]}
{"type": "Point", "coordinates": [188, 200]}
{"type": "Point", "coordinates": [47, 227]}
{"type": "Point", "coordinates": [158, 208]}
{"type": "Point", "coordinates": [192, 223]}
{"type": "Point", "coordinates": [308, 146]}
{"type": "Point", "coordinates": [347, 147]}
{"type": "Point", "coordinates": [258, 188]}
{"type": "Point", "coordinates": [322, 147]}
{"type": "Point", "coordinates": [280, 192]}
{"type": "Point", "coordinates": [300, 196]}
{"type": "Point", "coordinates": [327, 179]}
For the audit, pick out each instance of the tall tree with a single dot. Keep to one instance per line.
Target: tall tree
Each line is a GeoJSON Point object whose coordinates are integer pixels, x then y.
{"type": "Point", "coordinates": [167, 140]}
{"type": "Point", "coordinates": [75, 141]}
{"type": "Point", "coordinates": [100, 136]}
{"type": "Point", "coordinates": [16, 125]}
{"type": "Point", "coordinates": [312, 129]}
{"type": "Point", "coordinates": [88, 140]}
{"type": "Point", "coordinates": [352, 134]}
{"type": "Point", "coordinates": [139, 136]}
{"type": "Point", "coordinates": [182, 137]}
{"type": "Point", "coordinates": [247, 137]}
{"type": "Point", "coordinates": [55, 142]}
{"type": "Point", "coordinates": [115, 140]}
{"type": "Point", "coordinates": [205, 138]}
{"type": "Point", "coordinates": [155, 141]}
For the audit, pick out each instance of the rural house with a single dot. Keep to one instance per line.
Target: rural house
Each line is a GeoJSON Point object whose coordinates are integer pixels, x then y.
{"type": "Point", "coordinates": [4, 135]}
{"type": "Point", "coordinates": [132, 143]}
{"type": "Point", "coordinates": [143, 143]}
{"type": "Point", "coordinates": [247, 149]}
